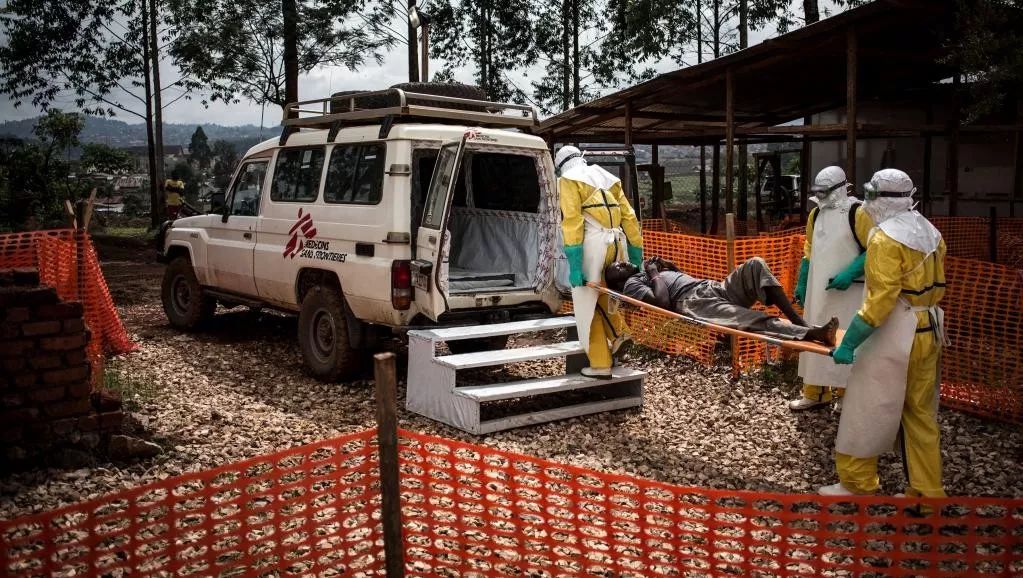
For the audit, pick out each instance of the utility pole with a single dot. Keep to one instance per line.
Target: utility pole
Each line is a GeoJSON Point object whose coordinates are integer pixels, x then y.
{"type": "Point", "coordinates": [154, 52]}
{"type": "Point", "coordinates": [413, 49]}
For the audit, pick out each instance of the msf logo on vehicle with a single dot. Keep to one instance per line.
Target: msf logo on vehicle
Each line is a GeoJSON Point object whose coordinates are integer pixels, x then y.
{"type": "Point", "coordinates": [303, 228]}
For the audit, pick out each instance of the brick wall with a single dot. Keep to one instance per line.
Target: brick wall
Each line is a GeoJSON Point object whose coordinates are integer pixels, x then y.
{"type": "Point", "coordinates": [46, 407]}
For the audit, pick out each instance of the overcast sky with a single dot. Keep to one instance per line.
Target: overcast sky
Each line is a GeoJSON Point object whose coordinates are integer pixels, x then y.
{"type": "Point", "coordinates": [320, 82]}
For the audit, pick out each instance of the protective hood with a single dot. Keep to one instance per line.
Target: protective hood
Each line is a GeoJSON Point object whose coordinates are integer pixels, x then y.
{"type": "Point", "coordinates": [592, 175]}
{"type": "Point", "coordinates": [911, 229]}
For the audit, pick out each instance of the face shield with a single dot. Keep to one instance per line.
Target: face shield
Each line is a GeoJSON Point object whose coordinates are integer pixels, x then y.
{"type": "Point", "coordinates": [823, 191]}
{"type": "Point", "coordinates": [872, 191]}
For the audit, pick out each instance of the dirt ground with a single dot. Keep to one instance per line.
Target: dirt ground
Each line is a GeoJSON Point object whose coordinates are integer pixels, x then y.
{"type": "Point", "coordinates": [237, 389]}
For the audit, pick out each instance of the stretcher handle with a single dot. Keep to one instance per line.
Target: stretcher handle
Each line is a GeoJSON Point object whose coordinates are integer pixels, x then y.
{"type": "Point", "coordinates": [808, 346]}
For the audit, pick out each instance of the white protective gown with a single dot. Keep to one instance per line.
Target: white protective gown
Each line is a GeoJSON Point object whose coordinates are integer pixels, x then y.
{"type": "Point", "coordinates": [834, 248]}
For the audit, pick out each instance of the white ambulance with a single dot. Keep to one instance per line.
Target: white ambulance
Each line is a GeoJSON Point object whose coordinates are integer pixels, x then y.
{"type": "Point", "coordinates": [374, 213]}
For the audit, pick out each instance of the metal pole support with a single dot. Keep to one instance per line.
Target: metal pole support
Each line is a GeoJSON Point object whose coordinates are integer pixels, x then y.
{"type": "Point", "coordinates": [387, 442]}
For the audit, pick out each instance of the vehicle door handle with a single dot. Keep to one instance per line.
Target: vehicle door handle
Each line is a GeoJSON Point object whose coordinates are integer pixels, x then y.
{"type": "Point", "coordinates": [247, 235]}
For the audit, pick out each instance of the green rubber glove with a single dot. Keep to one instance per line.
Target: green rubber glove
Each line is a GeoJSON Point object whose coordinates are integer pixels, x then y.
{"type": "Point", "coordinates": [574, 253]}
{"type": "Point", "coordinates": [854, 271]}
{"type": "Point", "coordinates": [804, 272]}
{"type": "Point", "coordinates": [858, 332]}
{"type": "Point", "coordinates": [636, 256]}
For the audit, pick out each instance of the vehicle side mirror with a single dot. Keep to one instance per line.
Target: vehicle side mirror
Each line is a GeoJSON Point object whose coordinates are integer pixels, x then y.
{"type": "Point", "coordinates": [216, 202]}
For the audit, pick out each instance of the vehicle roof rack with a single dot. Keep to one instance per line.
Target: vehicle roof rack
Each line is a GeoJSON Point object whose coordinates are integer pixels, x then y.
{"type": "Point", "coordinates": [402, 105]}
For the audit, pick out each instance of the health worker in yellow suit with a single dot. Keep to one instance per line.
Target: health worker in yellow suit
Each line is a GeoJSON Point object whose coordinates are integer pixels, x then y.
{"type": "Point", "coordinates": [599, 228]}
{"type": "Point", "coordinates": [894, 343]}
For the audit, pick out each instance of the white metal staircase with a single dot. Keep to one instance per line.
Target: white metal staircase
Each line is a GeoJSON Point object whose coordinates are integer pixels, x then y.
{"type": "Point", "coordinates": [433, 389]}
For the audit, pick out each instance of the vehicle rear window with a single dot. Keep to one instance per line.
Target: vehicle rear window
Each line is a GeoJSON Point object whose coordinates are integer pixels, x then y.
{"type": "Point", "coordinates": [505, 182]}
{"type": "Point", "coordinates": [297, 175]}
{"type": "Point", "coordinates": [355, 175]}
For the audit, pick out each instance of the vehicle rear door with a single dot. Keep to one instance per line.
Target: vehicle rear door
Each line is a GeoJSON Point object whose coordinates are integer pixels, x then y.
{"type": "Point", "coordinates": [232, 238]}
{"type": "Point", "coordinates": [429, 269]}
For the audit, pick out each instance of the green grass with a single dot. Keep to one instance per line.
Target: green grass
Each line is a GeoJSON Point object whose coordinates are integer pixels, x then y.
{"type": "Point", "coordinates": [134, 391]}
{"type": "Point", "coordinates": [133, 232]}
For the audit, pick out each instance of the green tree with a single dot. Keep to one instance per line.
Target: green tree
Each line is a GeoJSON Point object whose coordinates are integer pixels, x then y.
{"type": "Point", "coordinates": [493, 36]}
{"type": "Point", "coordinates": [225, 158]}
{"type": "Point", "coordinates": [199, 148]}
{"type": "Point", "coordinates": [262, 46]}
{"type": "Point", "coordinates": [101, 158]}
{"type": "Point", "coordinates": [989, 54]}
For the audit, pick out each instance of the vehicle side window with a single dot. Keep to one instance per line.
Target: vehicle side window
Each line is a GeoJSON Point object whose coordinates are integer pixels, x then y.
{"type": "Point", "coordinates": [355, 175]}
{"type": "Point", "coordinates": [297, 175]}
{"type": "Point", "coordinates": [247, 189]}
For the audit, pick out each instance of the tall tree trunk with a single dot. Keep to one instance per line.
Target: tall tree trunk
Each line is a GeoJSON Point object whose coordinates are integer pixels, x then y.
{"type": "Point", "coordinates": [155, 210]}
{"type": "Point", "coordinates": [703, 149]}
{"type": "Point", "coordinates": [743, 158]}
{"type": "Point", "coordinates": [717, 28]}
{"type": "Point", "coordinates": [575, 52]}
{"type": "Point", "coordinates": [413, 49]}
{"type": "Point", "coordinates": [289, 12]}
{"type": "Point", "coordinates": [566, 70]}
{"type": "Point", "coordinates": [154, 51]}
{"type": "Point", "coordinates": [810, 12]}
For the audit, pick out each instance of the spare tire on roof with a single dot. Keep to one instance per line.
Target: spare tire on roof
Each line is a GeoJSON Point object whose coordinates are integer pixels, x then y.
{"type": "Point", "coordinates": [452, 89]}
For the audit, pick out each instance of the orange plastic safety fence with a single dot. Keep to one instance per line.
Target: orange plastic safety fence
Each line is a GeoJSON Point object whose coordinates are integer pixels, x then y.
{"type": "Point", "coordinates": [67, 261]}
{"type": "Point", "coordinates": [982, 368]}
{"type": "Point", "coordinates": [307, 511]}
{"type": "Point", "coordinates": [970, 238]}
{"type": "Point", "coordinates": [470, 510]}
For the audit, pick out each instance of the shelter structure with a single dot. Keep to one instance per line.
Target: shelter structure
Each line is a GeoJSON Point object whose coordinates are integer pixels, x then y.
{"type": "Point", "coordinates": [868, 88]}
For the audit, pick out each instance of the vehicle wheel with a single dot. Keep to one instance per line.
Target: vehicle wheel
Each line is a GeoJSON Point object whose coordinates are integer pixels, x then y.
{"type": "Point", "coordinates": [187, 306]}
{"type": "Point", "coordinates": [323, 336]}
{"type": "Point", "coordinates": [474, 345]}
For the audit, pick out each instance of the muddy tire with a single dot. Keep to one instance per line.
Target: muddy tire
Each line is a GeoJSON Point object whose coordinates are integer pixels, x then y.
{"type": "Point", "coordinates": [323, 336]}
{"type": "Point", "coordinates": [474, 345]}
{"type": "Point", "coordinates": [186, 305]}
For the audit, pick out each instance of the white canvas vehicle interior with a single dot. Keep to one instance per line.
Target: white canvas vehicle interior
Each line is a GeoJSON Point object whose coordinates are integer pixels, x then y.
{"type": "Point", "coordinates": [498, 211]}
{"type": "Point", "coordinates": [364, 225]}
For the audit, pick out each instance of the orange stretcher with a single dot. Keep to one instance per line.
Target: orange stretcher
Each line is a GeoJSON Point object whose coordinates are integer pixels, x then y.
{"type": "Point", "coordinates": [809, 346]}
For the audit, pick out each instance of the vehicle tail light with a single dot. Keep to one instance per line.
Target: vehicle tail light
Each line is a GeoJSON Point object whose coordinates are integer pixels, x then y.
{"type": "Point", "coordinates": [401, 285]}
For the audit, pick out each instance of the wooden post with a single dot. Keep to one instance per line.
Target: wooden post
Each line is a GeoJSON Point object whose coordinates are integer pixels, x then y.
{"type": "Point", "coordinates": [730, 260]}
{"type": "Point", "coordinates": [756, 194]}
{"type": "Point", "coordinates": [952, 166]}
{"type": "Point", "coordinates": [628, 124]}
{"type": "Point", "coordinates": [387, 441]}
{"type": "Point", "coordinates": [715, 188]}
{"type": "Point", "coordinates": [729, 141]}
{"type": "Point", "coordinates": [850, 105]}
{"type": "Point", "coordinates": [992, 237]}
{"type": "Point", "coordinates": [1017, 175]}
{"type": "Point", "coordinates": [87, 216]}
{"type": "Point", "coordinates": [656, 184]}
{"type": "Point", "coordinates": [805, 156]}
{"type": "Point", "coordinates": [925, 187]}
{"type": "Point", "coordinates": [703, 189]}
{"type": "Point", "coordinates": [426, 52]}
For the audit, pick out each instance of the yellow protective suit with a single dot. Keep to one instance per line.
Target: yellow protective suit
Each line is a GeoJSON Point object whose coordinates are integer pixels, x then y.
{"type": "Point", "coordinates": [173, 189]}
{"type": "Point", "coordinates": [862, 231]}
{"type": "Point", "coordinates": [611, 210]}
{"type": "Point", "coordinates": [895, 271]}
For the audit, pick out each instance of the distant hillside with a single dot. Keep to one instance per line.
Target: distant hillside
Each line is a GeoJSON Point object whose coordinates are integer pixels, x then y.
{"type": "Point", "coordinates": [121, 134]}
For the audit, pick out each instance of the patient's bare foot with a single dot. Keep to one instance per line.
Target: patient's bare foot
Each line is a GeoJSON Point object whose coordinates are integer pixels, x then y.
{"type": "Point", "coordinates": [825, 334]}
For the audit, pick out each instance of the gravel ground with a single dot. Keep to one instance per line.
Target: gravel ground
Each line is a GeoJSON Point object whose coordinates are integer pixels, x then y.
{"type": "Point", "coordinates": [238, 390]}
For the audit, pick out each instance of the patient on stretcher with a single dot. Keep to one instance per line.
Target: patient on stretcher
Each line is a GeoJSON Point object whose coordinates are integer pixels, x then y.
{"type": "Point", "coordinates": [726, 303]}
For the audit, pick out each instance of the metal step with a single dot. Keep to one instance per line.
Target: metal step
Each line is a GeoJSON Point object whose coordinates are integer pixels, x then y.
{"type": "Point", "coordinates": [504, 356]}
{"type": "Point", "coordinates": [544, 385]}
{"type": "Point", "coordinates": [500, 424]}
{"type": "Point", "coordinates": [483, 331]}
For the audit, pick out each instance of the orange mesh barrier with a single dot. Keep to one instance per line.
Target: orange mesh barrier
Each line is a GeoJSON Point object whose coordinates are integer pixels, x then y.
{"type": "Point", "coordinates": [67, 261]}
{"type": "Point", "coordinates": [312, 510]}
{"type": "Point", "coordinates": [982, 368]}
{"type": "Point", "coordinates": [470, 510]}
{"type": "Point", "coordinates": [970, 238]}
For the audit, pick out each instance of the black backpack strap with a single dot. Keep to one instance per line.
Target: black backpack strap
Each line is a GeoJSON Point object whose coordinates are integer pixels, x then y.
{"type": "Point", "coordinates": [852, 224]}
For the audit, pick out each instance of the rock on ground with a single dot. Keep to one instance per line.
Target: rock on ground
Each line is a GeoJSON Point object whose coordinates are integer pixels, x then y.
{"type": "Point", "coordinates": [237, 390]}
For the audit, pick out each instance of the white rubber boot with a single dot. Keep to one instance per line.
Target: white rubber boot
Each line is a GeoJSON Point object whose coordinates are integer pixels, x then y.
{"type": "Point", "coordinates": [622, 341]}
{"type": "Point", "coordinates": [803, 404]}
{"type": "Point", "coordinates": [600, 373]}
{"type": "Point", "coordinates": [834, 490]}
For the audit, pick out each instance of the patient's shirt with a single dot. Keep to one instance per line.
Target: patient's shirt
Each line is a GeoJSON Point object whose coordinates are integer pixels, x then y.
{"type": "Point", "coordinates": [679, 285]}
